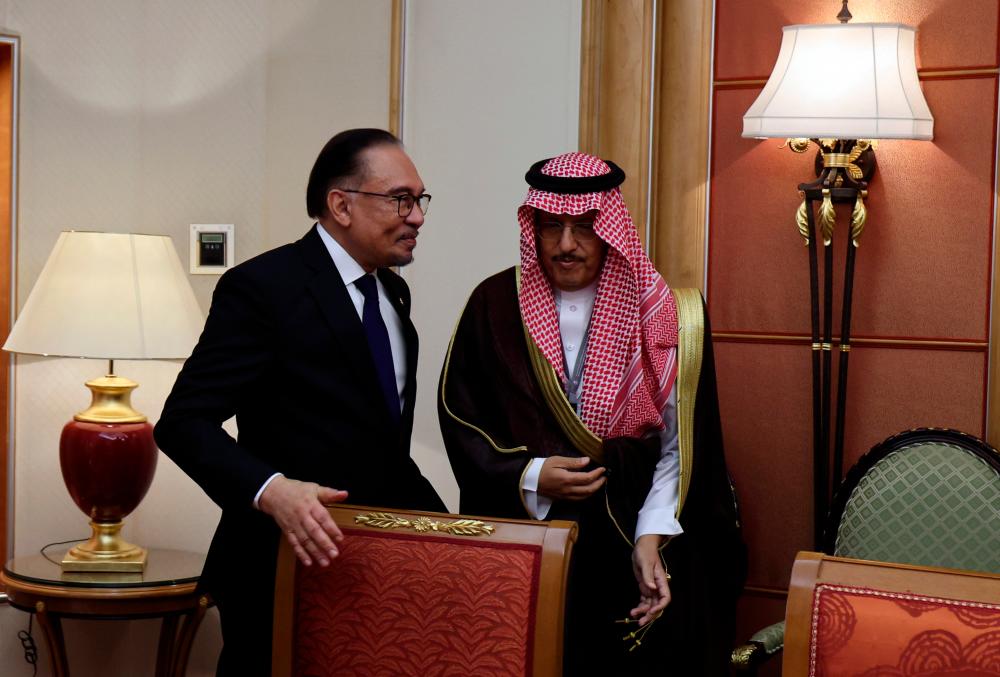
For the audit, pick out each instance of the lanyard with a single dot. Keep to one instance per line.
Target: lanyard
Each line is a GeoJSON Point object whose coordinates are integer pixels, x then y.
{"type": "Point", "coordinates": [574, 381]}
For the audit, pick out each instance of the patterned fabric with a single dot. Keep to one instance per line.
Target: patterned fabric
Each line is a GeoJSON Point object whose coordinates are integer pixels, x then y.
{"type": "Point", "coordinates": [632, 345]}
{"type": "Point", "coordinates": [858, 632]}
{"type": "Point", "coordinates": [393, 605]}
{"type": "Point", "coordinates": [772, 638]}
{"type": "Point", "coordinates": [932, 504]}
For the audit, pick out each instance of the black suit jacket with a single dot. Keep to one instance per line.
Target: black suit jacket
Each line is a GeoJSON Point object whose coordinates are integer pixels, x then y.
{"type": "Point", "coordinates": [284, 350]}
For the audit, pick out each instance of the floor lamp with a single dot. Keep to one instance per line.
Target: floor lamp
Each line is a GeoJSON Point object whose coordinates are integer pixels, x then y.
{"type": "Point", "coordinates": [841, 86]}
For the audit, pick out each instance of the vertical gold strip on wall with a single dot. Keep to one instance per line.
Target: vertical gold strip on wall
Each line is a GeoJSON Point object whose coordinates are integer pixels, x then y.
{"type": "Point", "coordinates": [591, 39]}
{"type": "Point", "coordinates": [993, 372]}
{"type": "Point", "coordinates": [10, 46]}
{"type": "Point", "coordinates": [615, 91]}
{"type": "Point", "coordinates": [396, 49]}
{"type": "Point", "coordinates": [668, 158]}
{"type": "Point", "coordinates": [680, 180]}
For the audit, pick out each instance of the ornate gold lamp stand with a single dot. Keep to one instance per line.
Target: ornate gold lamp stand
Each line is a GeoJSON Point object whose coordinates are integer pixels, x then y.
{"type": "Point", "coordinates": [844, 168]}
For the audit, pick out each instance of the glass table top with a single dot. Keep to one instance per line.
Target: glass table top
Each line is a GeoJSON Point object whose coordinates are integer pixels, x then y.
{"type": "Point", "coordinates": [163, 568]}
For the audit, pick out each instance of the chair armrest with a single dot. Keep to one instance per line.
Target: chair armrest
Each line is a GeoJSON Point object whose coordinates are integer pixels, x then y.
{"type": "Point", "coordinates": [759, 648]}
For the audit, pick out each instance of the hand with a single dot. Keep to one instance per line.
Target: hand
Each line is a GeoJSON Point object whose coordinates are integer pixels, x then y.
{"type": "Point", "coordinates": [562, 477]}
{"type": "Point", "coordinates": [654, 591]}
{"type": "Point", "coordinates": [298, 508]}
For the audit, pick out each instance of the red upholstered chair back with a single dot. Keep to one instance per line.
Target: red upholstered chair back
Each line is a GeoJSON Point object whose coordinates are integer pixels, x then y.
{"type": "Point", "coordinates": [877, 619]}
{"type": "Point", "coordinates": [425, 594]}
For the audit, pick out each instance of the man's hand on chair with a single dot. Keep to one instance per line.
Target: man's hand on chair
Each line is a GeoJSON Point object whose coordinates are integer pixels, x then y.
{"type": "Point", "coordinates": [299, 509]}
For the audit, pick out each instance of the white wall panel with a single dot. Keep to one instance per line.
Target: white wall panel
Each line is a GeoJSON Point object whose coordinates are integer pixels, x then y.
{"type": "Point", "coordinates": [490, 88]}
{"type": "Point", "coordinates": [147, 116]}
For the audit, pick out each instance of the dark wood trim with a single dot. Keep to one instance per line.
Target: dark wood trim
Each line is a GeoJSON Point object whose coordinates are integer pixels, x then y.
{"type": "Point", "coordinates": [870, 342]}
{"type": "Point", "coordinates": [765, 591]}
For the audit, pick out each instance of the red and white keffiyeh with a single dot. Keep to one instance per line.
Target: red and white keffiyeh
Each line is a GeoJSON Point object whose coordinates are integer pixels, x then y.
{"type": "Point", "coordinates": [631, 359]}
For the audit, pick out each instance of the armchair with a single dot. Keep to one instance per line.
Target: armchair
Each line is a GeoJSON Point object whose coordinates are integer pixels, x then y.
{"type": "Point", "coordinates": [859, 617]}
{"type": "Point", "coordinates": [423, 594]}
{"type": "Point", "coordinates": [927, 497]}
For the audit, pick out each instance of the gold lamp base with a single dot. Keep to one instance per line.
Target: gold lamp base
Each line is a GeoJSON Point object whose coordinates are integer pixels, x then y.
{"type": "Point", "coordinates": [105, 551]}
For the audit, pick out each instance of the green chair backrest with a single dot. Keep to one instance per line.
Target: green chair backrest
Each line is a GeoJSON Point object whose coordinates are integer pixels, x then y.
{"type": "Point", "coordinates": [930, 503]}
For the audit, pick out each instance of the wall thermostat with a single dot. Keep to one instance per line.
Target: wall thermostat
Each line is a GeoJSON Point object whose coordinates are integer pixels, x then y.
{"type": "Point", "coordinates": [213, 248]}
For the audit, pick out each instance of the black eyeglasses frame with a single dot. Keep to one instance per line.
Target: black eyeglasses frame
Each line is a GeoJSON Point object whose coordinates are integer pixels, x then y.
{"type": "Point", "coordinates": [422, 201]}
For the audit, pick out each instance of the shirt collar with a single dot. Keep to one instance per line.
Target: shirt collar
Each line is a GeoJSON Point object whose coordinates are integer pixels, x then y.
{"type": "Point", "coordinates": [349, 269]}
{"type": "Point", "coordinates": [585, 295]}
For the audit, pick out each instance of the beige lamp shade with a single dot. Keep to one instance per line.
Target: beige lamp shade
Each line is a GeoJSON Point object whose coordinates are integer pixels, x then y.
{"type": "Point", "coordinates": [843, 81]}
{"type": "Point", "coordinates": [110, 296]}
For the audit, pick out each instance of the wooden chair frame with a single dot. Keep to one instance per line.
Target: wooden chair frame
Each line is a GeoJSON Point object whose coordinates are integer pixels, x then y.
{"type": "Point", "coordinates": [556, 540]}
{"type": "Point", "coordinates": [813, 568]}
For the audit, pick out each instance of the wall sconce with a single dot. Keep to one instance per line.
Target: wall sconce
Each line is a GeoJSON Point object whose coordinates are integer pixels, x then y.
{"type": "Point", "coordinates": [109, 296]}
{"type": "Point", "coordinates": [841, 86]}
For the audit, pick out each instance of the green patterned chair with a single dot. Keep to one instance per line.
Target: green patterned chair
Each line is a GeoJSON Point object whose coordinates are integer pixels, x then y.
{"type": "Point", "coordinates": [929, 496]}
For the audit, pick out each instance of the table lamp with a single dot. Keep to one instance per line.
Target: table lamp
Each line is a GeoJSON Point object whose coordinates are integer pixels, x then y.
{"type": "Point", "coordinates": [841, 86]}
{"type": "Point", "coordinates": [109, 296]}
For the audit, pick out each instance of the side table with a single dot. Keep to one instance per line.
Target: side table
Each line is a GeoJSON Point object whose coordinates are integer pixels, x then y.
{"type": "Point", "coordinates": [166, 589]}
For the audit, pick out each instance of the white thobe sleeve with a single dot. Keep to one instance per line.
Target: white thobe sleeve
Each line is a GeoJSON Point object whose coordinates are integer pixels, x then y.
{"type": "Point", "coordinates": [537, 505]}
{"type": "Point", "coordinates": [659, 512]}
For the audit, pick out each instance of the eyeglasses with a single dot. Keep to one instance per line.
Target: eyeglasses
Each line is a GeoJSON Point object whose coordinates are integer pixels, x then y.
{"type": "Point", "coordinates": [553, 230]}
{"type": "Point", "coordinates": [404, 203]}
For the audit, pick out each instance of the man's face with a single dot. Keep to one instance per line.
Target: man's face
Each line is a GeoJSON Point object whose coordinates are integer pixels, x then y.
{"type": "Point", "coordinates": [378, 236]}
{"type": "Point", "coordinates": [570, 252]}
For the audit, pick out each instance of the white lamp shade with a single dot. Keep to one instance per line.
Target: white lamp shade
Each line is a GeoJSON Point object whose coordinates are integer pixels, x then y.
{"type": "Point", "coordinates": [110, 296]}
{"type": "Point", "coordinates": [843, 81]}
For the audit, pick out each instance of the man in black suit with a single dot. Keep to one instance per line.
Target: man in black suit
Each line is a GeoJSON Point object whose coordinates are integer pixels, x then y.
{"type": "Point", "coordinates": [310, 346]}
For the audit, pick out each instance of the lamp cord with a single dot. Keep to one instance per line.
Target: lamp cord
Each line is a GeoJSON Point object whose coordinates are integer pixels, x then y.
{"type": "Point", "coordinates": [49, 545]}
{"type": "Point", "coordinates": [28, 644]}
{"type": "Point", "coordinates": [27, 640]}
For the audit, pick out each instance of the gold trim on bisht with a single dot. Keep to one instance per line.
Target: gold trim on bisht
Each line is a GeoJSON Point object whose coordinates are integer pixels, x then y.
{"type": "Point", "coordinates": [690, 353]}
{"type": "Point", "coordinates": [444, 400]}
{"type": "Point", "coordinates": [463, 527]}
{"type": "Point", "coordinates": [578, 433]}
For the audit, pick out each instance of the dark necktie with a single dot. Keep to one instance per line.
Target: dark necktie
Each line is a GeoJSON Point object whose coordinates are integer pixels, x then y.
{"type": "Point", "coordinates": [378, 343]}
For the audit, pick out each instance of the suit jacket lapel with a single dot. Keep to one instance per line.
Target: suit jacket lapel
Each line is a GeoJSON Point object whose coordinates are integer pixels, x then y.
{"type": "Point", "coordinates": [399, 297]}
{"type": "Point", "coordinates": [334, 301]}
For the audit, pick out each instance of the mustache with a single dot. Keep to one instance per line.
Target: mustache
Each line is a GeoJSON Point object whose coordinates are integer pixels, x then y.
{"type": "Point", "coordinates": [567, 258]}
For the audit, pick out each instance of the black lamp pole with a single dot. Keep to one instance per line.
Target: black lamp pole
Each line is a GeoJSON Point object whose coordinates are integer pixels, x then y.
{"type": "Point", "coordinates": [844, 168]}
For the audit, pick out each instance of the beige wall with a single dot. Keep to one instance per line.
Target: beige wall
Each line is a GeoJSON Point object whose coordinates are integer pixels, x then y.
{"type": "Point", "coordinates": [490, 88]}
{"type": "Point", "coordinates": [149, 115]}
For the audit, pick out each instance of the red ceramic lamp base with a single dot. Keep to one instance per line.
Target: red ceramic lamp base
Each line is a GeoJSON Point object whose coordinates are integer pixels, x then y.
{"type": "Point", "coordinates": [108, 458]}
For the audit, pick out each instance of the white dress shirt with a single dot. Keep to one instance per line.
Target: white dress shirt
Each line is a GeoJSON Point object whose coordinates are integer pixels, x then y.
{"type": "Point", "coordinates": [351, 271]}
{"type": "Point", "coordinates": [658, 513]}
